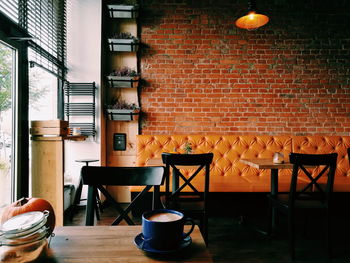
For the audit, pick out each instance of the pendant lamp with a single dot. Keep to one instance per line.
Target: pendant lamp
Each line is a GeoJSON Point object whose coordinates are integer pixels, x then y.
{"type": "Point", "coordinates": [253, 19]}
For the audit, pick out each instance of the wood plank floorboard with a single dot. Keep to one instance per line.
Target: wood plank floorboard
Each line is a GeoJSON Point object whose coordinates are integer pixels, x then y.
{"type": "Point", "coordinates": [231, 240]}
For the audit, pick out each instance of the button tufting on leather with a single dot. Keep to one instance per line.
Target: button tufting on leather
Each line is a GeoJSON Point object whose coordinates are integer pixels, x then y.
{"type": "Point", "coordinates": [229, 149]}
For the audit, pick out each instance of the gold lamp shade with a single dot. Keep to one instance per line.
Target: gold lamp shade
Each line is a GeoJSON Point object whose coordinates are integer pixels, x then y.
{"type": "Point", "coordinates": [252, 21]}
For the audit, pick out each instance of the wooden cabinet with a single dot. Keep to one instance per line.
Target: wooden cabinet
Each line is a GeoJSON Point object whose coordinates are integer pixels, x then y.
{"type": "Point", "coordinates": [47, 162]}
{"type": "Point", "coordinates": [47, 172]}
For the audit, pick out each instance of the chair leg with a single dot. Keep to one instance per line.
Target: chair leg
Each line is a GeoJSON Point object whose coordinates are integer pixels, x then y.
{"type": "Point", "coordinates": [329, 233]}
{"type": "Point", "coordinates": [99, 203]}
{"type": "Point", "coordinates": [205, 229]}
{"type": "Point", "coordinates": [291, 234]}
{"type": "Point", "coordinates": [97, 210]}
{"type": "Point", "coordinates": [77, 198]}
{"type": "Point", "coordinates": [90, 206]}
{"type": "Point", "coordinates": [306, 225]}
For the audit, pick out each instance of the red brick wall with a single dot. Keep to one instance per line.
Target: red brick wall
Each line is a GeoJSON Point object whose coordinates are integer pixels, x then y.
{"type": "Point", "coordinates": [205, 76]}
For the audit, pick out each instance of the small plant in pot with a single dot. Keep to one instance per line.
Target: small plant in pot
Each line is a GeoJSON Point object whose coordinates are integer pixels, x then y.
{"type": "Point", "coordinates": [123, 78]}
{"type": "Point", "coordinates": [123, 42]}
{"type": "Point", "coordinates": [188, 148]}
{"type": "Point", "coordinates": [119, 110]}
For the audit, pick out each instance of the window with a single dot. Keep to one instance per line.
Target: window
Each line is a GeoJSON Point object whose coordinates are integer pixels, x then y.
{"type": "Point", "coordinates": [13, 111]}
{"type": "Point", "coordinates": [34, 31]}
{"type": "Point", "coordinates": [10, 8]}
{"type": "Point", "coordinates": [7, 87]}
{"type": "Point", "coordinates": [46, 22]}
{"type": "Point", "coordinates": [42, 94]}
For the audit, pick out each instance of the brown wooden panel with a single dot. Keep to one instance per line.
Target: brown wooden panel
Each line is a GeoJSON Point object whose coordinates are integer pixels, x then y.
{"type": "Point", "coordinates": [47, 174]}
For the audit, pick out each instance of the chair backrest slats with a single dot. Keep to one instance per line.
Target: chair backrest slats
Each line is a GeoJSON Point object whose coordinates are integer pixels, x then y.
{"type": "Point", "coordinates": [313, 168]}
{"type": "Point", "coordinates": [123, 176]}
{"type": "Point", "coordinates": [97, 177]}
{"type": "Point", "coordinates": [200, 161]}
{"type": "Point", "coordinates": [187, 159]}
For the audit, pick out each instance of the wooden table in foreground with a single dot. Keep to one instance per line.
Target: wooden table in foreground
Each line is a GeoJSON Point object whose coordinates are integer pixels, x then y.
{"type": "Point", "coordinates": [116, 244]}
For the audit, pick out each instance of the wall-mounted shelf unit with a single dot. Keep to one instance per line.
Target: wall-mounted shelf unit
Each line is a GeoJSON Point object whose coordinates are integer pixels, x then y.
{"type": "Point", "coordinates": [123, 45]}
{"type": "Point", "coordinates": [123, 114]}
{"type": "Point", "coordinates": [123, 82]}
{"type": "Point", "coordinates": [120, 51]}
{"type": "Point", "coordinates": [80, 107]}
{"type": "Point", "coordinates": [123, 11]}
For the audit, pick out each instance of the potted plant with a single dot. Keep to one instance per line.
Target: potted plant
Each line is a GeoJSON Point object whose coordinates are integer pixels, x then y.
{"type": "Point", "coordinates": [120, 110]}
{"type": "Point", "coordinates": [123, 10]}
{"type": "Point", "coordinates": [123, 78]}
{"type": "Point", "coordinates": [188, 148]}
{"type": "Point", "coordinates": [123, 42]}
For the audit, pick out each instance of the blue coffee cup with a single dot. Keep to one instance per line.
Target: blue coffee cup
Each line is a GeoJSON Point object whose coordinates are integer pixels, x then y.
{"type": "Point", "coordinates": [163, 229]}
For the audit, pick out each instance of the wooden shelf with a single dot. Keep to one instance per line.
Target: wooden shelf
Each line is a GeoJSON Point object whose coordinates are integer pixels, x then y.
{"type": "Point", "coordinates": [59, 138]}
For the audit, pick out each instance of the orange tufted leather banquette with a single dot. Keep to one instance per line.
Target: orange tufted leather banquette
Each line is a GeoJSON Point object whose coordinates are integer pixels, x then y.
{"type": "Point", "coordinates": [228, 174]}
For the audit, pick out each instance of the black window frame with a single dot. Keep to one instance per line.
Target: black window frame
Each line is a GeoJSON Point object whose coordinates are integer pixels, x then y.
{"type": "Point", "coordinates": [15, 34]}
{"type": "Point", "coordinates": [12, 34]}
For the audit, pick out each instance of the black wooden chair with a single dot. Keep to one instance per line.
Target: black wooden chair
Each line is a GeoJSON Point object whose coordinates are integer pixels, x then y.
{"type": "Point", "coordinates": [316, 173]}
{"type": "Point", "coordinates": [184, 196]}
{"type": "Point", "coordinates": [98, 177]}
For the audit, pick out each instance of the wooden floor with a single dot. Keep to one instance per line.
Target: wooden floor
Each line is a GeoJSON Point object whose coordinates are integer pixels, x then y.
{"type": "Point", "coordinates": [231, 240]}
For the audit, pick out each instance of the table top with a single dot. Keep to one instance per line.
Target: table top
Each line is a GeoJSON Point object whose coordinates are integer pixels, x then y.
{"type": "Point", "coordinates": [116, 244]}
{"type": "Point", "coordinates": [266, 164]}
{"type": "Point", "coordinates": [155, 162]}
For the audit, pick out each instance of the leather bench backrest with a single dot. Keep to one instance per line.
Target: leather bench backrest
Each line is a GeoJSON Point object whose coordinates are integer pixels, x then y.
{"type": "Point", "coordinates": [228, 174]}
{"type": "Point", "coordinates": [328, 144]}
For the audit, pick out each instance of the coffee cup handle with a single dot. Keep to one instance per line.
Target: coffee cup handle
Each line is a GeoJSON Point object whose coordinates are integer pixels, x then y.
{"type": "Point", "coordinates": [144, 240]}
{"type": "Point", "coordinates": [188, 219]}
